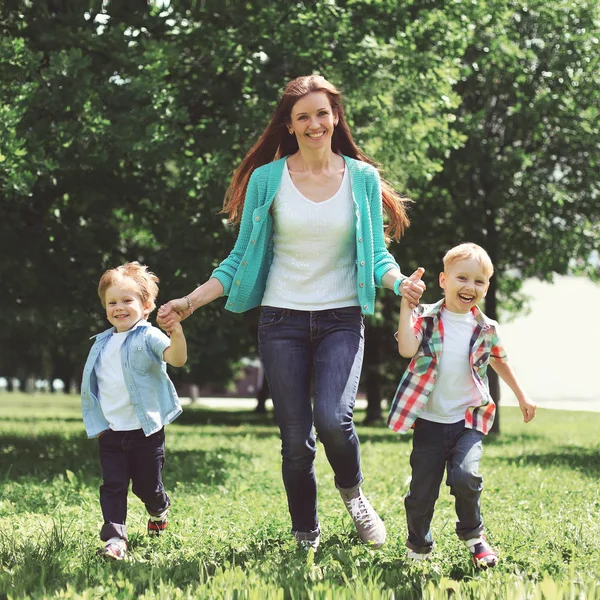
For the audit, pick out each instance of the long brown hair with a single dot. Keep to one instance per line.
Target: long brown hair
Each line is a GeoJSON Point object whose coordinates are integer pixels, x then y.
{"type": "Point", "coordinates": [276, 142]}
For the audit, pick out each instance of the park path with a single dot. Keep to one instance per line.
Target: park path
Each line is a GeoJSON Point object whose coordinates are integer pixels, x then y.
{"type": "Point", "coordinates": [551, 348]}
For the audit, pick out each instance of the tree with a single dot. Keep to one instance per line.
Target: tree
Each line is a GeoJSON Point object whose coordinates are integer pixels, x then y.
{"type": "Point", "coordinates": [524, 183]}
{"type": "Point", "coordinates": [123, 125]}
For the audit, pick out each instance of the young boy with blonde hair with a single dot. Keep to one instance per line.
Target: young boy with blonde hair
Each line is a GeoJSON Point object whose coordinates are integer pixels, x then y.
{"type": "Point", "coordinates": [127, 398]}
{"type": "Point", "coordinates": [444, 396]}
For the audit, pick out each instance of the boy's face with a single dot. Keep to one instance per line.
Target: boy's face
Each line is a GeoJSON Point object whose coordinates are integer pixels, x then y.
{"type": "Point", "coordinates": [465, 283]}
{"type": "Point", "coordinates": [124, 306]}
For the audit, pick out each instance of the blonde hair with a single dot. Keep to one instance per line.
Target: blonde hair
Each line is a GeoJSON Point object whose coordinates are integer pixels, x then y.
{"type": "Point", "coordinates": [144, 280]}
{"type": "Point", "coordinates": [469, 250]}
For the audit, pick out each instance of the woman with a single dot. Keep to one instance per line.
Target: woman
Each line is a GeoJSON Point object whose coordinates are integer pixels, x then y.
{"type": "Point", "coordinates": [310, 251]}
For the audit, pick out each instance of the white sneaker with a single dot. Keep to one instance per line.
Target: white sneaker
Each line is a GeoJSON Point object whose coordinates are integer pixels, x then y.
{"type": "Point", "coordinates": [307, 540]}
{"type": "Point", "coordinates": [370, 527]}
{"type": "Point", "coordinates": [115, 548]}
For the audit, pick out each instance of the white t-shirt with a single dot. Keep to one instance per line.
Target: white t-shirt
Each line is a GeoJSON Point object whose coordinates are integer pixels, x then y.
{"type": "Point", "coordinates": [454, 389]}
{"type": "Point", "coordinates": [314, 254]}
{"type": "Point", "coordinates": [114, 398]}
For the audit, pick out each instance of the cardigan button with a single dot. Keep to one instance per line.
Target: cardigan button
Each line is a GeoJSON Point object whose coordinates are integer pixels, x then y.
{"type": "Point", "coordinates": [230, 304]}
{"type": "Point", "coordinates": [244, 263]}
{"type": "Point", "coordinates": [237, 282]}
{"type": "Point", "coordinates": [362, 285]}
{"type": "Point", "coordinates": [366, 306]}
{"type": "Point", "coordinates": [252, 241]}
{"type": "Point", "coordinates": [360, 239]}
{"type": "Point", "coordinates": [257, 218]}
{"type": "Point", "coordinates": [362, 263]}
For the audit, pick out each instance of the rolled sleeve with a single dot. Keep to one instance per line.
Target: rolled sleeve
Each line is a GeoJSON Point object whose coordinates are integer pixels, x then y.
{"type": "Point", "coordinates": [498, 352]}
{"type": "Point", "coordinates": [157, 342]}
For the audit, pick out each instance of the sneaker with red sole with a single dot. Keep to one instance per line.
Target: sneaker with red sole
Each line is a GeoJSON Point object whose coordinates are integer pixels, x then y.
{"type": "Point", "coordinates": [482, 553]}
{"type": "Point", "coordinates": [157, 524]}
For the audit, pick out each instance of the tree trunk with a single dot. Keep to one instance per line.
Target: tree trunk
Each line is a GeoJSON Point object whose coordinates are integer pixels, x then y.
{"type": "Point", "coordinates": [262, 393]}
{"type": "Point", "coordinates": [372, 365]}
{"type": "Point", "coordinates": [491, 310]}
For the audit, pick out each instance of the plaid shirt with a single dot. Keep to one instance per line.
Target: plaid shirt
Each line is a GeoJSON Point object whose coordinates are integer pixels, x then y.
{"type": "Point", "coordinates": [419, 379]}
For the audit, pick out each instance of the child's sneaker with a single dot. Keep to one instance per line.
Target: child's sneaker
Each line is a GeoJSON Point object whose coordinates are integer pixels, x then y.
{"type": "Point", "coordinates": [482, 553]}
{"type": "Point", "coordinates": [369, 525]}
{"type": "Point", "coordinates": [158, 524]}
{"type": "Point", "coordinates": [418, 556]}
{"type": "Point", "coordinates": [115, 548]}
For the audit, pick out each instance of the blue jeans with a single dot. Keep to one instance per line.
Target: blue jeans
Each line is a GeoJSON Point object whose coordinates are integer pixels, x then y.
{"type": "Point", "coordinates": [438, 447]}
{"type": "Point", "coordinates": [125, 456]}
{"type": "Point", "coordinates": [296, 346]}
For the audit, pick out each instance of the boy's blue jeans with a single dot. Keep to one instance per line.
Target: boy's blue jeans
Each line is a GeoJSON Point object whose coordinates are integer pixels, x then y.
{"type": "Point", "coordinates": [125, 456]}
{"type": "Point", "coordinates": [439, 447]}
{"type": "Point", "coordinates": [296, 346]}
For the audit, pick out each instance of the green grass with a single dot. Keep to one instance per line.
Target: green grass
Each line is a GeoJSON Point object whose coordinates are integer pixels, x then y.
{"type": "Point", "coordinates": [229, 531]}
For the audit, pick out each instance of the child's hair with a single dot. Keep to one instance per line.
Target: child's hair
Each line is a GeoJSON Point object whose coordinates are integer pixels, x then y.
{"type": "Point", "coordinates": [145, 281]}
{"type": "Point", "coordinates": [469, 250]}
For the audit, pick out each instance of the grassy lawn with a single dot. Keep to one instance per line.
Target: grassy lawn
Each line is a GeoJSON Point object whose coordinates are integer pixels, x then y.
{"type": "Point", "coordinates": [229, 528]}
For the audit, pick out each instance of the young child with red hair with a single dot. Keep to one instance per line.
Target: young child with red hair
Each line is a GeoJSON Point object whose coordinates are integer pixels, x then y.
{"type": "Point", "coordinates": [127, 398]}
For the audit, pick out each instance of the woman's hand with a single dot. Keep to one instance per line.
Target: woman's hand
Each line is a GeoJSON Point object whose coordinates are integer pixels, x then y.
{"type": "Point", "coordinates": [173, 312]}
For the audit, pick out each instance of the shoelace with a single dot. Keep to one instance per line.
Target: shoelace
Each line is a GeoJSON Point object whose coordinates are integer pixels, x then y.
{"type": "Point", "coordinates": [360, 511]}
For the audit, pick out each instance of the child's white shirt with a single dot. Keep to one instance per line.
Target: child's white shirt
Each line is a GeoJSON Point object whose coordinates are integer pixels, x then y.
{"type": "Point", "coordinates": [455, 389]}
{"type": "Point", "coordinates": [112, 391]}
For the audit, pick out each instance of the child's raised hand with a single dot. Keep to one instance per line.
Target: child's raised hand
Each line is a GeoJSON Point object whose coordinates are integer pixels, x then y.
{"type": "Point", "coordinates": [528, 408]}
{"type": "Point", "coordinates": [412, 288]}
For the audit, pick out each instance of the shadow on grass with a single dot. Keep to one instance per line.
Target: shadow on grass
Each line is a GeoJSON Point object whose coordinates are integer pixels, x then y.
{"type": "Point", "coordinates": [511, 439]}
{"type": "Point", "coordinates": [228, 418]}
{"type": "Point", "coordinates": [48, 456]}
{"type": "Point", "coordinates": [575, 458]}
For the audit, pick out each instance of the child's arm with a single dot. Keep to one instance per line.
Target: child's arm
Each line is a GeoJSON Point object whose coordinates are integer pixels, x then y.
{"type": "Point", "coordinates": [408, 342]}
{"type": "Point", "coordinates": [176, 353]}
{"type": "Point", "coordinates": [505, 371]}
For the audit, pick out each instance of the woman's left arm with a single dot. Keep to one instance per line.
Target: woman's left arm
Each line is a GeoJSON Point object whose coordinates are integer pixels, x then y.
{"type": "Point", "coordinates": [386, 269]}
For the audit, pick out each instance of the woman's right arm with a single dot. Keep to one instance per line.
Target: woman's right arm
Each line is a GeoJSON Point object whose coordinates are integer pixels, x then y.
{"type": "Point", "coordinates": [221, 278]}
{"type": "Point", "coordinates": [203, 294]}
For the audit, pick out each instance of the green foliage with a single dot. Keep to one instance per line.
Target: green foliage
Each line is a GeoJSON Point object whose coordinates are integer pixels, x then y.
{"type": "Point", "coordinates": [229, 531]}
{"type": "Point", "coordinates": [122, 125]}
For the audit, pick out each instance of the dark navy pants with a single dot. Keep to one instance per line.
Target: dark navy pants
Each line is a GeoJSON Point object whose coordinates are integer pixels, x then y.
{"type": "Point", "coordinates": [439, 447]}
{"type": "Point", "coordinates": [130, 456]}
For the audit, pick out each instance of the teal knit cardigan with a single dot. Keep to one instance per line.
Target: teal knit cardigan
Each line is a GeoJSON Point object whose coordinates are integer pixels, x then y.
{"type": "Point", "coordinates": [243, 273]}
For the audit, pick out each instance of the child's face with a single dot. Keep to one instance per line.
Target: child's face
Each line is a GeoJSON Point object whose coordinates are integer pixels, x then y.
{"type": "Point", "coordinates": [465, 283]}
{"type": "Point", "coordinates": [124, 306]}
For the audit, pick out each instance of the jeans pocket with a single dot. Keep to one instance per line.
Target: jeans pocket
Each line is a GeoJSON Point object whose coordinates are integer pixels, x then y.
{"type": "Point", "coordinates": [346, 314]}
{"type": "Point", "coordinates": [269, 316]}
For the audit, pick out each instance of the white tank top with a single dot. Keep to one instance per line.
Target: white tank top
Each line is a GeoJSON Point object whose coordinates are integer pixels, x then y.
{"type": "Point", "coordinates": [314, 254]}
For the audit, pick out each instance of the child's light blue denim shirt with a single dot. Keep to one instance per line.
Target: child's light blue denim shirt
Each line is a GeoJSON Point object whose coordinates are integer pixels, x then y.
{"type": "Point", "coordinates": [151, 391]}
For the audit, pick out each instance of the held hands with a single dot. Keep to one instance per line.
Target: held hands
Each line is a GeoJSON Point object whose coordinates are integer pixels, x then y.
{"type": "Point", "coordinates": [527, 407]}
{"type": "Point", "coordinates": [412, 288]}
{"type": "Point", "coordinates": [172, 313]}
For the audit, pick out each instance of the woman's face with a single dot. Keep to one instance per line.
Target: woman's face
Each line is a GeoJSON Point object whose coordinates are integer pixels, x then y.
{"type": "Point", "coordinates": [312, 121]}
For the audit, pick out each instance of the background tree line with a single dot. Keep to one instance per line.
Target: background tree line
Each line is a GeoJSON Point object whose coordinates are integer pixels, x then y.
{"type": "Point", "coordinates": [121, 123]}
